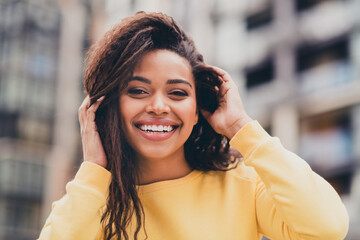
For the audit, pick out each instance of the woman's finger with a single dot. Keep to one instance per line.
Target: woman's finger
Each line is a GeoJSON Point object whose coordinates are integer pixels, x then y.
{"type": "Point", "coordinates": [223, 74]}
{"type": "Point", "coordinates": [224, 88]}
{"type": "Point", "coordinates": [85, 103]}
{"type": "Point", "coordinates": [90, 114]}
{"type": "Point", "coordinates": [82, 110]}
{"type": "Point", "coordinates": [96, 104]}
{"type": "Point", "coordinates": [206, 114]}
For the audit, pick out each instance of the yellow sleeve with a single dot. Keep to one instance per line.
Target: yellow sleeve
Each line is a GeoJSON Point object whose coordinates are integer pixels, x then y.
{"type": "Point", "coordinates": [77, 215]}
{"type": "Point", "coordinates": [292, 201]}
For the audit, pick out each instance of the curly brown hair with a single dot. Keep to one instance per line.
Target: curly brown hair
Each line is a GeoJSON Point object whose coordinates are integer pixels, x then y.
{"type": "Point", "coordinates": [109, 64]}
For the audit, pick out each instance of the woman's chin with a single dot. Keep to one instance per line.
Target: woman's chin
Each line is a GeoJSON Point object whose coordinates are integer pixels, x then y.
{"type": "Point", "coordinates": [157, 153]}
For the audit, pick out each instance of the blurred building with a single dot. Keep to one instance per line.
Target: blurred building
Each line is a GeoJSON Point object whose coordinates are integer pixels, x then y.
{"type": "Point", "coordinates": [42, 45]}
{"type": "Point", "coordinates": [297, 65]}
{"type": "Point", "coordinates": [29, 48]}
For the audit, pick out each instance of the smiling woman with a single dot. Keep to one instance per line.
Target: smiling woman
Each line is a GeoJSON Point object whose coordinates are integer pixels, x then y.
{"type": "Point", "coordinates": [156, 128]}
{"type": "Point", "coordinates": [158, 112]}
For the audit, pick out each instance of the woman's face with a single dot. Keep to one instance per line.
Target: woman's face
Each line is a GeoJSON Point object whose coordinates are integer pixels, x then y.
{"type": "Point", "coordinates": [158, 106]}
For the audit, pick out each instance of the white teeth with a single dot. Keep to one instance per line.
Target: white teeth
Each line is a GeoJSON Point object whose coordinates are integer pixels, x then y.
{"type": "Point", "coordinates": [155, 128]}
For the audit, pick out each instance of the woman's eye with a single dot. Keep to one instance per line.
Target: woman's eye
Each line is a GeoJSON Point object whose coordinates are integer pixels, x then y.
{"type": "Point", "coordinates": [136, 91]}
{"type": "Point", "coordinates": [179, 93]}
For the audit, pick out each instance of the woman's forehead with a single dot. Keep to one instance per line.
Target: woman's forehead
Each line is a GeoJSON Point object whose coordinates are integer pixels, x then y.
{"type": "Point", "coordinates": [163, 64]}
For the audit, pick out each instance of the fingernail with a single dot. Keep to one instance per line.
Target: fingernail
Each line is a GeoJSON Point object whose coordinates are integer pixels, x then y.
{"type": "Point", "coordinates": [101, 98]}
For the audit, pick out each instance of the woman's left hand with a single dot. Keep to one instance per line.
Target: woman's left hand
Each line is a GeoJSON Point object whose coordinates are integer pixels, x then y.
{"type": "Point", "coordinates": [230, 115]}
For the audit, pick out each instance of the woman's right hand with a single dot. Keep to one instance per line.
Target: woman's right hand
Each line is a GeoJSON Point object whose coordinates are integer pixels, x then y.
{"type": "Point", "coordinates": [93, 149]}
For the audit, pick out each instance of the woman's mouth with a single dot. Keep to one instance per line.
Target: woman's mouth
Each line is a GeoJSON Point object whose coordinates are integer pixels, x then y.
{"type": "Point", "coordinates": [156, 128]}
{"type": "Point", "coordinates": [156, 132]}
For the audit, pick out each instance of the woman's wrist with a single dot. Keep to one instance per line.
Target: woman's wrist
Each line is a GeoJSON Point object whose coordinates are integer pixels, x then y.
{"type": "Point", "coordinates": [237, 125]}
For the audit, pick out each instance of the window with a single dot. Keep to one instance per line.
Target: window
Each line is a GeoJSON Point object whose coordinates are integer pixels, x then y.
{"type": "Point", "coordinates": [340, 179]}
{"type": "Point", "coordinates": [324, 65]}
{"type": "Point", "coordinates": [20, 214]}
{"type": "Point", "coordinates": [302, 5]}
{"type": "Point", "coordinates": [326, 139]}
{"type": "Point", "coordinates": [8, 124]}
{"type": "Point", "coordinates": [309, 56]}
{"type": "Point", "coordinates": [326, 143]}
{"type": "Point", "coordinates": [259, 19]}
{"type": "Point", "coordinates": [22, 179]}
{"type": "Point", "coordinates": [260, 74]}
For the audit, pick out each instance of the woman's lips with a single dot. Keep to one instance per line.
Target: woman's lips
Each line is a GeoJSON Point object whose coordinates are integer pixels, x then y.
{"type": "Point", "coordinates": [156, 136]}
{"type": "Point", "coordinates": [156, 129]}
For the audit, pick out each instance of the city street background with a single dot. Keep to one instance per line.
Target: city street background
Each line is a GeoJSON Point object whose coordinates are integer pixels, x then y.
{"type": "Point", "coordinates": [296, 63]}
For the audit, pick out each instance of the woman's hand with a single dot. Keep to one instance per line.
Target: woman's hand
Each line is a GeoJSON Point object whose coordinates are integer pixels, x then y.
{"type": "Point", "coordinates": [230, 116]}
{"type": "Point", "coordinates": [92, 147]}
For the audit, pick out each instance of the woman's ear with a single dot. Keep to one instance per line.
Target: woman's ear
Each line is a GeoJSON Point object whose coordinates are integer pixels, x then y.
{"type": "Point", "coordinates": [196, 116]}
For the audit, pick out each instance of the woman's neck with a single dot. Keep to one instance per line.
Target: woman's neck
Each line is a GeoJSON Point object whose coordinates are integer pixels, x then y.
{"type": "Point", "coordinates": [169, 168]}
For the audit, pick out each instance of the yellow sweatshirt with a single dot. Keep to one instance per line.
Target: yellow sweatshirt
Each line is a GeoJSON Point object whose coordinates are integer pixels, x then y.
{"type": "Point", "coordinates": [272, 192]}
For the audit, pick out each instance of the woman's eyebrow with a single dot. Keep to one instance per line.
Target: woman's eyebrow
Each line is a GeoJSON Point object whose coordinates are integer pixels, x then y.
{"type": "Point", "coordinates": [170, 81]}
{"type": "Point", "coordinates": [138, 78]}
{"type": "Point", "coordinates": [175, 81]}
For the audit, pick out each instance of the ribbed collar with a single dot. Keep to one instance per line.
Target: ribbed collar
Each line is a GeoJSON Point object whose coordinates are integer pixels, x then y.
{"type": "Point", "coordinates": [156, 186]}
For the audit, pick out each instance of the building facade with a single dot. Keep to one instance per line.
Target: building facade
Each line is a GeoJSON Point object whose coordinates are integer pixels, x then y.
{"type": "Point", "coordinates": [29, 48]}
{"type": "Point", "coordinates": [42, 45]}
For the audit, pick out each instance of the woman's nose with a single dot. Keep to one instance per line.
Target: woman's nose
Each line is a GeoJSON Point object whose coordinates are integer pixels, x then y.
{"type": "Point", "coordinates": [158, 104]}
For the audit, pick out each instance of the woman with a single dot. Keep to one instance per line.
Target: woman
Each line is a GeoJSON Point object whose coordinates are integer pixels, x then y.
{"type": "Point", "coordinates": [157, 163]}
